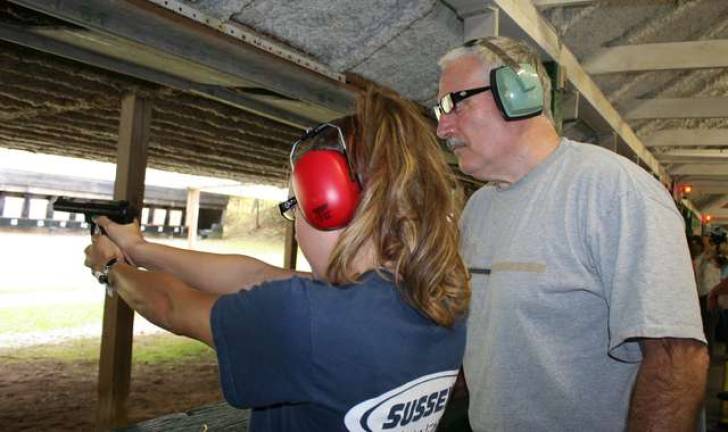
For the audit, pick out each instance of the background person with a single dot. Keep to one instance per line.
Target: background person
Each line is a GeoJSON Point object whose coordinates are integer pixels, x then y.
{"type": "Point", "coordinates": [584, 313]}
{"type": "Point", "coordinates": [376, 338]}
{"type": "Point", "coordinates": [707, 275]}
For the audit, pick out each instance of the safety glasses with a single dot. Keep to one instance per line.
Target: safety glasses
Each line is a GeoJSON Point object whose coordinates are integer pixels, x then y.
{"type": "Point", "coordinates": [288, 208]}
{"type": "Point", "coordinates": [450, 101]}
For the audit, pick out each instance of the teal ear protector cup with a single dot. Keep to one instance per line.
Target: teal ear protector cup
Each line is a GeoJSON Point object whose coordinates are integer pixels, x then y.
{"type": "Point", "coordinates": [516, 87]}
{"type": "Point", "coordinates": [518, 94]}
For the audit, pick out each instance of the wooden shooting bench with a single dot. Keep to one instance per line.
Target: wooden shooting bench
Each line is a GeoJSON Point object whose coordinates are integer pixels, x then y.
{"type": "Point", "coordinates": [219, 417]}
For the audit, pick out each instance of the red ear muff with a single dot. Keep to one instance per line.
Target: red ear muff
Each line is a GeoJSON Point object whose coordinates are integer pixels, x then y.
{"type": "Point", "coordinates": [325, 191]}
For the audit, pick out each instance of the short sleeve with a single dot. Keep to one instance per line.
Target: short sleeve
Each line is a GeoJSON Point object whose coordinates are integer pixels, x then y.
{"type": "Point", "coordinates": [263, 343]}
{"type": "Point", "coordinates": [640, 251]}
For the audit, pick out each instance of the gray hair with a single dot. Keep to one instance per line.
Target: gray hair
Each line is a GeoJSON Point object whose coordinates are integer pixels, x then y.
{"type": "Point", "coordinates": [520, 52]}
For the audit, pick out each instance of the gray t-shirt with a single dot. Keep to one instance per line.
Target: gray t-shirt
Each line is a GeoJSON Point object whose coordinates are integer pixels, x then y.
{"type": "Point", "coordinates": [570, 264]}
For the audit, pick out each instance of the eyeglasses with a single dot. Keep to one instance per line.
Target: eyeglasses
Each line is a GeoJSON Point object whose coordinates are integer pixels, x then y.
{"type": "Point", "coordinates": [450, 101]}
{"type": "Point", "coordinates": [288, 208]}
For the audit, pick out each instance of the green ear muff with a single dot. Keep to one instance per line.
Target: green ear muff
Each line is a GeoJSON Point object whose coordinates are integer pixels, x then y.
{"type": "Point", "coordinates": [518, 94]}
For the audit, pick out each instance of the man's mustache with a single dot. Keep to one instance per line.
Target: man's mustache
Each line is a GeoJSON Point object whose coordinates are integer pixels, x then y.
{"type": "Point", "coordinates": [453, 143]}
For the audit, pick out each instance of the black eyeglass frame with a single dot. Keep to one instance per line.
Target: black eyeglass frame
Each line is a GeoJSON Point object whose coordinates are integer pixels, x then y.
{"type": "Point", "coordinates": [449, 102]}
{"type": "Point", "coordinates": [287, 205]}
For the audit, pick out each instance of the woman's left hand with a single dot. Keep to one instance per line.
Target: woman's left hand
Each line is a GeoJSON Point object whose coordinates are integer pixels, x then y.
{"type": "Point", "coordinates": [100, 251]}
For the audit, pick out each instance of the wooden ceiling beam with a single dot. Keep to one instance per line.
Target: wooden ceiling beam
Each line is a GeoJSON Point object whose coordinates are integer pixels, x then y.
{"type": "Point", "coordinates": [715, 204]}
{"type": "Point", "coordinates": [658, 56]}
{"type": "Point", "coordinates": [547, 4]}
{"type": "Point", "coordinates": [688, 138]}
{"type": "Point", "coordinates": [701, 169]}
{"type": "Point", "coordinates": [182, 42]}
{"type": "Point", "coordinates": [668, 108]}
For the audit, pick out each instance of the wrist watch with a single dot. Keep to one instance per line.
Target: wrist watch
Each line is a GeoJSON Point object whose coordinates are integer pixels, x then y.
{"type": "Point", "coordinates": [103, 275]}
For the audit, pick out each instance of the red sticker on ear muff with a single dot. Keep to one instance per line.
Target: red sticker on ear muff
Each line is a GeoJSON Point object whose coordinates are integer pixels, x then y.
{"type": "Point", "coordinates": [327, 195]}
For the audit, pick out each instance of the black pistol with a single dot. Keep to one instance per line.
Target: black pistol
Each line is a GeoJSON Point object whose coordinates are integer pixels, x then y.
{"type": "Point", "coordinates": [120, 212]}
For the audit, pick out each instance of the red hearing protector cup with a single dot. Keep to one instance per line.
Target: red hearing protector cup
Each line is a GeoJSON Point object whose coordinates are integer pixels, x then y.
{"type": "Point", "coordinates": [326, 189]}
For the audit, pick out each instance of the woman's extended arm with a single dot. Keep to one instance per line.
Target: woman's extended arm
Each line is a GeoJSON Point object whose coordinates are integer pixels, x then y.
{"type": "Point", "coordinates": [207, 272]}
{"type": "Point", "coordinates": [159, 297]}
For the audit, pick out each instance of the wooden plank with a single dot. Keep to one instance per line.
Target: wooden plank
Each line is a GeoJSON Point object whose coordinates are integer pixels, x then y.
{"type": "Point", "coordinates": [688, 138]}
{"type": "Point", "coordinates": [715, 186]}
{"type": "Point", "coordinates": [25, 212]}
{"type": "Point", "coordinates": [116, 338]}
{"type": "Point", "coordinates": [659, 56]}
{"type": "Point", "coordinates": [569, 106]}
{"type": "Point", "coordinates": [546, 4]}
{"type": "Point", "coordinates": [528, 18]}
{"type": "Point", "coordinates": [668, 108]}
{"type": "Point", "coordinates": [193, 214]}
{"type": "Point", "coordinates": [270, 108]}
{"type": "Point", "coordinates": [701, 169]}
{"type": "Point", "coordinates": [482, 24]}
{"type": "Point", "coordinates": [21, 181]}
{"type": "Point", "coordinates": [219, 417]}
{"type": "Point", "coordinates": [155, 28]}
{"type": "Point", "coordinates": [715, 204]}
{"type": "Point", "coordinates": [558, 84]}
{"type": "Point", "coordinates": [712, 155]}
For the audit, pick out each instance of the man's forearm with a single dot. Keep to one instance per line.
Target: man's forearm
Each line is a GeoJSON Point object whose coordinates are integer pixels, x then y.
{"type": "Point", "coordinates": [207, 272]}
{"type": "Point", "coordinates": [670, 386]}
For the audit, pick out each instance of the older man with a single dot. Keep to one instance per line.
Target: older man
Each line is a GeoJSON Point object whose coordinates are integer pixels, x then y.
{"type": "Point", "coordinates": [584, 314]}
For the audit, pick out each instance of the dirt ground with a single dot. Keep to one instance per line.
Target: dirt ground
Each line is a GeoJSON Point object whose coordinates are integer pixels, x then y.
{"type": "Point", "coordinates": [55, 395]}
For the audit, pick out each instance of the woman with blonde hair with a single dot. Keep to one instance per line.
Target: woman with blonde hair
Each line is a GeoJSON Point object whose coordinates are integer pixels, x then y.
{"type": "Point", "coordinates": [373, 339]}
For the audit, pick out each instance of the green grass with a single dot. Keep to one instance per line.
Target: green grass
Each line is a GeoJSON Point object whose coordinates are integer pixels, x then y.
{"type": "Point", "coordinates": [30, 300]}
{"type": "Point", "coordinates": [152, 349]}
{"type": "Point", "coordinates": [167, 347]}
{"type": "Point", "coordinates": [25, 319]}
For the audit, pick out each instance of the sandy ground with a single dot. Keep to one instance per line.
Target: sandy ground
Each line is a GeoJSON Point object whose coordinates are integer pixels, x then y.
{"type": "Point", "coordinates": [52, 395]}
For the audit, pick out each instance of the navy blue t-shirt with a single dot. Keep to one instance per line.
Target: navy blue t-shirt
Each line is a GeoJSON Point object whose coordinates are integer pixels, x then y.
{"type": "Point", "coordinates": [308, 356]}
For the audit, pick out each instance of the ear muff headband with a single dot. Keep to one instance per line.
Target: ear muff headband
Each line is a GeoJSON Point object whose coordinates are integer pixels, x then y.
{"type": "Point", "coordinates": [326, 189]}
{"type": "Point", "coordinates": [516, 87]}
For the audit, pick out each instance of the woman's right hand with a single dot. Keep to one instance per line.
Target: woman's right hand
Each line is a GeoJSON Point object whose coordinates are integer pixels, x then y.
{"type": "Point", "coordinates": [126, 237]}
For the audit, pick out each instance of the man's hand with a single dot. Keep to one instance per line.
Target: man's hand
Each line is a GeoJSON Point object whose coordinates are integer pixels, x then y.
{"type": "Point", "coordinates": [126, 237]}
{"type": "Point", "coordinates": [670, 385]}
{"type": "Point", "coordinates": [100, 251]}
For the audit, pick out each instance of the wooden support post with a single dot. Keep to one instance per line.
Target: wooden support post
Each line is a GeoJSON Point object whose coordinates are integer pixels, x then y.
{"type": "Point", "coordinates": [483, 23]}
{"type": "Point", "coordinates": [193, 214]}
{"type": "Point", "coordinates": [25, 211]}
{"type": "Point", "coordinates": [290, 250]}
{"type": "Point", "coordinates": [116, 338]}
{"type": "Point", "coordinates": [49, 208]}
{"type": "Point", "coordinates": [558, 82]}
